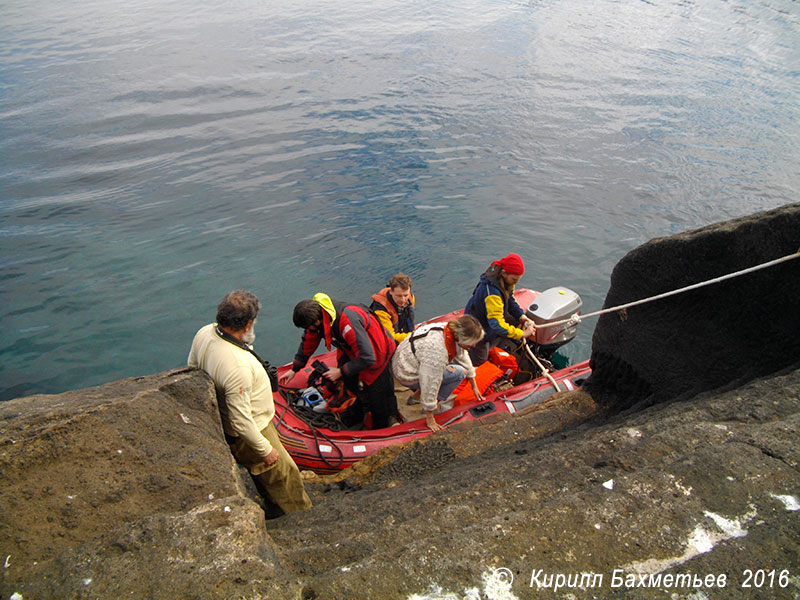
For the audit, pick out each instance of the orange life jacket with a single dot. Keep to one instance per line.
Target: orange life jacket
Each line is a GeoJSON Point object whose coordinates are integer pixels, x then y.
{"type": "Point", "coordinates": [505, 361]}
{"type": "Point", "coordinates": [386, 303]}
{"type": "Point", "coordinates": [485, 375]}
{"type": "Point", "coordinates": [500, 363]}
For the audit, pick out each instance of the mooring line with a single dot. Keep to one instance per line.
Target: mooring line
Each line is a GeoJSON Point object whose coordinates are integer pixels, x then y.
{"type": "Point", "coordinates": [575, 319]}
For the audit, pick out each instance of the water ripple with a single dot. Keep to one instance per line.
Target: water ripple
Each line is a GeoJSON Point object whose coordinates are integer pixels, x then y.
{"type": "Point", "coordinates": [157, 154]}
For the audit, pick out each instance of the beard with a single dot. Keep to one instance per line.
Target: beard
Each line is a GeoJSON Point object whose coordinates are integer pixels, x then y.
{"type": "Point", "coordinates": [250, 335]}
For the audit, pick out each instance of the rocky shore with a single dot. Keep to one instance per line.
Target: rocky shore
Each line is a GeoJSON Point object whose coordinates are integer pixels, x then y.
{"type": "Point", "coordinates": [663, 483]}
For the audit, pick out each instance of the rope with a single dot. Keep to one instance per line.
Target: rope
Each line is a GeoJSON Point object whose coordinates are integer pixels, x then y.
{"type": "Point", "coordinates": [575, 319]}
{"type": "Point", "coordinates": [315, 432]}
{"type": "Point", "coordinates": [539, 364]}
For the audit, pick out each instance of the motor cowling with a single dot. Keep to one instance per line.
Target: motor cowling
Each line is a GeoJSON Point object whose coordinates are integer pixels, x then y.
{"type": "Point", "coordinates": [551, 306]}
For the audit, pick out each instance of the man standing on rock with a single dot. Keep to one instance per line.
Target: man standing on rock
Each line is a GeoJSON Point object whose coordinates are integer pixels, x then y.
{"type": "Point", "coordinates": [223, 350]}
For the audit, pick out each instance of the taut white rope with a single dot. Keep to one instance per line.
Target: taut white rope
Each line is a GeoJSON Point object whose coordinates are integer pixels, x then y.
{"type": "Point", "coordinates": [577, 319]}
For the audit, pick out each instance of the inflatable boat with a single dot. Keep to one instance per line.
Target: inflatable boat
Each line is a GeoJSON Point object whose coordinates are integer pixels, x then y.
{"type": "Point", "coordinates": [318, 441]}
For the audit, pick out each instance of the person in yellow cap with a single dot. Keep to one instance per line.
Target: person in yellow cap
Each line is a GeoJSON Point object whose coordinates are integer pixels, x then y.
{"type": "Point", "coordinates": [364, 347]}
{"type": "Point", "coordinates": [493, 304]}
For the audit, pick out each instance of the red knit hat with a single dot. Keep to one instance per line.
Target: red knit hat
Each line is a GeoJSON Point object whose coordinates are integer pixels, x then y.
{"type": "Point", "coordinates": [511, 264]}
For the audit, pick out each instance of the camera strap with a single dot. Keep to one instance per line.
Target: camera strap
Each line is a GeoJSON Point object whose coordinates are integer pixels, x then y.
{"type": "Point", "coordinates": [272, 372]}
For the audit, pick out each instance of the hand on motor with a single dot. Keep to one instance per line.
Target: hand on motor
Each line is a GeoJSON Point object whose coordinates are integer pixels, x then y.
{"type": "Point", "coordinates": [271, 458]}
{"type": "Point", "coordinates": [528, 329]}
{"type": "Point", "coordinates": [286, 377]}
{"type": "Point", "coordinates": [333, 374]}
{"type": "Point", "coordinates": [430, 421]}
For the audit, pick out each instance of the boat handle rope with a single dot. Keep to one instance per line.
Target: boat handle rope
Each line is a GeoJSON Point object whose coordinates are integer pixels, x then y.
{"type": "Point", "coordinates": [539, 364]}
{"type": "Point", "coordinates": [575, 319]}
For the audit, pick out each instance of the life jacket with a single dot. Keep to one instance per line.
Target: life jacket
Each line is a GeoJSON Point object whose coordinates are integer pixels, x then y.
{"type": "Point", "coordinates": [507, 362]}
{"type": "Point", "coordinates": [500, 364]}
{"type": "Point", "coordinates": [345, 338]}
{"type": "Point", "coordinates": [449, 340]}
{"type": "Point", "coordinates": [344, 334]}
{"type": "Point", "coordinates": [485, 375]}
{"type": "Point", "coordinates": [338, 397]}
{"type": "Point", "coordinates": [402, 318]}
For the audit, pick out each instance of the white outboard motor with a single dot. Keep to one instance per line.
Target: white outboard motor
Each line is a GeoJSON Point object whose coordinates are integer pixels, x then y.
{"type": "Point", "coordinates": [552, 305]}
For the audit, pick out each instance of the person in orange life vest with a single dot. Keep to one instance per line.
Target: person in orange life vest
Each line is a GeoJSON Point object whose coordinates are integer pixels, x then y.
{"type": "Point", "coordinates": [244, 394]}
{"type": "Point", "coordinates": [394, 306]}
{"type": "Point", "coordinates": [493, 304]}
{"type": "Point", "coordinates": [364, 351]}
{"type": "Point", "coordinates": [434, 359]}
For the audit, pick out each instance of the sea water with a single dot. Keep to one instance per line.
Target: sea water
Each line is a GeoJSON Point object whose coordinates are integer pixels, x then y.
{"type": "Point", "coordinates": [155, 155]}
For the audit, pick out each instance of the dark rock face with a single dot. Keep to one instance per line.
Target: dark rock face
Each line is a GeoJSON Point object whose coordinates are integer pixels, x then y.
{"type": "Point", "coordinates": [727, 333]}
{"type": "Point", "coordinates": [707, 487]}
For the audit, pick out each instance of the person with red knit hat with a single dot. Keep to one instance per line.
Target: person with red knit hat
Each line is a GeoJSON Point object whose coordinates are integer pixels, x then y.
{"type": "Point", "coordinates": [493, 304]}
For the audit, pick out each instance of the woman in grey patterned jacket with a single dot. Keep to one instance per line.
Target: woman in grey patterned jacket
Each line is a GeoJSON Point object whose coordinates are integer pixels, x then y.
{"type": "Point", "coordinates": [434, 360]}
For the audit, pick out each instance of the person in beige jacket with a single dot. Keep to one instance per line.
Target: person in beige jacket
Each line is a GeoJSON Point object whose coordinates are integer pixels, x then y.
{"type": "Point", "coordinates": [244, 393]}
{"type": "Point", "coordinates": [434, 360]}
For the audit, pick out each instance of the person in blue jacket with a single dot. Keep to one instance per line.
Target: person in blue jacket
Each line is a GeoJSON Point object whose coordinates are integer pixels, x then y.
{"type": "Point", "coordinates": [493, 304]}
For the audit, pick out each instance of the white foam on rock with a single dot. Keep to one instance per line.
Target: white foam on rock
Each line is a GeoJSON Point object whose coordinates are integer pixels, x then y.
{"type": "Point", "coordinates": [790, 502]}
{"type": "Point", "coordinates": [700, 541]}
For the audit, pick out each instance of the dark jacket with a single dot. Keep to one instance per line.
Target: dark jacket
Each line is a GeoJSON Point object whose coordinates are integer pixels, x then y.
{"type": "Point", "coordinates": [495, 308]}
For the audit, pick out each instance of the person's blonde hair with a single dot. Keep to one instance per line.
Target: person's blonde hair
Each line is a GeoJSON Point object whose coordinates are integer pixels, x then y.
{"type": "Point", "coordinates": [466, 329]}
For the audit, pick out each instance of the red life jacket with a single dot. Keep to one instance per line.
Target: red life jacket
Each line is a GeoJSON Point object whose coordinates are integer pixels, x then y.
{"type": "Point", "coordinates": [364, 330]}
{"type": "Point", "coordinates": [345, 334]}
{"type": "Point", "coordinates": [500, 363]}
{"type": "Point", "coordinates": [485, 375]}
{"type": "Point", "coordinates": [504, 360]}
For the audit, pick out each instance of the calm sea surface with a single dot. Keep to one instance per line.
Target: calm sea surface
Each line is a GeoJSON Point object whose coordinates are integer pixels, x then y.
{"type": "Point", "coordinates": [155, 155]}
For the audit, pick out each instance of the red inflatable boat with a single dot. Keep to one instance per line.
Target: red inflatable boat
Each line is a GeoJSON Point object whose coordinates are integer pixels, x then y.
{"type": "Point", "coordinates": [317, 441]}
